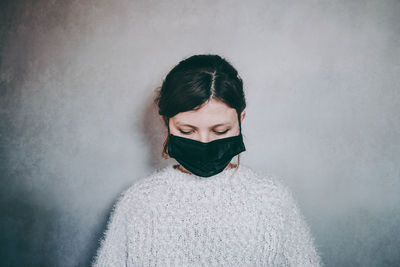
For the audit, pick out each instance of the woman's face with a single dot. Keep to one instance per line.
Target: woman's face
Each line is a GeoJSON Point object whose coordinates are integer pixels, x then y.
{"type": "Point", "coordinates": [214, 120]}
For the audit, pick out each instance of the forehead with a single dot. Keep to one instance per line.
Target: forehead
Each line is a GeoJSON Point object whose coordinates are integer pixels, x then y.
{"type": "Point", "coordinates": [213, 111]}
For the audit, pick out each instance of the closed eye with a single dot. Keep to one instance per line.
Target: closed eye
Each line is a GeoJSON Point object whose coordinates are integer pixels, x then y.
{"type": "Point", "coordinates": [183, 132]}
{"type": "Point", "coordinates": [221, 132]}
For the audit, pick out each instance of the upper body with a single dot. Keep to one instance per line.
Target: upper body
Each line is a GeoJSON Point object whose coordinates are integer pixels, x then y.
{"type": "Point", "coordinates": [205, 212]}
{"type": "Point", "coordinates": [237, 217]}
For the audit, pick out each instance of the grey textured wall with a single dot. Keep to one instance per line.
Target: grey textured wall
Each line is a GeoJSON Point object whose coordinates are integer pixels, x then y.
{"type": "Point", "coordinates": [77, 124]}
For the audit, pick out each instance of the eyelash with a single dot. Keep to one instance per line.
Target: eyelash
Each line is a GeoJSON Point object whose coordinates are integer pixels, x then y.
{"type": "Point", "coordinates": [219, 133]}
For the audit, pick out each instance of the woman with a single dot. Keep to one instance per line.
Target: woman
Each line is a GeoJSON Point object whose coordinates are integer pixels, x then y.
{"type": "Point", "coordinates": [206, 210]}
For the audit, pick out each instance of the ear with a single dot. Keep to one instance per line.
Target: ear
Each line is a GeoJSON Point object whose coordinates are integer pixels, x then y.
{"type": "Point", "coordinates": [164, 119]}
{"type": "Point", "coordinates": [242, 115]}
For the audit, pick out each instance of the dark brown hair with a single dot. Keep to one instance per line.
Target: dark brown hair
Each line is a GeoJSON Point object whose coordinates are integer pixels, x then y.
{"type": "Point", "coordinates": [196, 80]}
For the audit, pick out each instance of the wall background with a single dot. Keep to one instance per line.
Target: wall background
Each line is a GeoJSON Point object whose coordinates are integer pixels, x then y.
{"type": "Point", "coordinates": [77, 125]}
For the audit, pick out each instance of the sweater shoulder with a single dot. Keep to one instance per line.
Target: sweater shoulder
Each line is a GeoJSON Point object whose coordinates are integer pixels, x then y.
{"type": "Point", "coordinates": [266, 183]}
{"type": "Point", "coordinates": [272, 192]}
{"type": "Point", "coordinates": [141, 190]}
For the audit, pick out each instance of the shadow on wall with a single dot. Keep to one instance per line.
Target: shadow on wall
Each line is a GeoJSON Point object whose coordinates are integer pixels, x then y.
{"type": "Point", "coordinates": [34, 232]}
{"type": "Point", "coordinates": [98, 235]}
{"type": "Point", "coordinates": [20, 214]}
{"type": "Point", "coordinates": [154, 133]}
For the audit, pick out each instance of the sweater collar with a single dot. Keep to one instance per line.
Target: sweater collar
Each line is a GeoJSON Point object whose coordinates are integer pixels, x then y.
{"type": "Point", "coordinates": [227, 174]}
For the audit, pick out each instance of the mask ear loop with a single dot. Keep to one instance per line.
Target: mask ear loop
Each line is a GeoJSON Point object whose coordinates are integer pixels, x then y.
{"type": "Point", "coordinates": [240, 132]}
{"type": "Point", "coordinates": [168, 125]}
{"type": "Point", "coordinates": [165, 150]}
{"type": "Point", "coordinates": [240, 124]}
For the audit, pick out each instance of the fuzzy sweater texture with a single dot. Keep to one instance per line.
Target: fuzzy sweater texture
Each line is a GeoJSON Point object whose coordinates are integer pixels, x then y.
{"type": "Point", "coordinates": [237, 217]}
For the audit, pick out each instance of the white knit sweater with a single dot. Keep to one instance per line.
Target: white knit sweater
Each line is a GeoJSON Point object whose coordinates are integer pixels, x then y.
{"type": "Point", "coordinates": [235, 218]}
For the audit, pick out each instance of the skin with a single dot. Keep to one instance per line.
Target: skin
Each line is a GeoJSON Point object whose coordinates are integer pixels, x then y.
{"type": "Point", "coordinates": [213, 120]}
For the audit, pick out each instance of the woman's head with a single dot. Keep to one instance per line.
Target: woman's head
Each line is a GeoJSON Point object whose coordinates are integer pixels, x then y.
{"type": "Point", "coordinates": [202, 98]}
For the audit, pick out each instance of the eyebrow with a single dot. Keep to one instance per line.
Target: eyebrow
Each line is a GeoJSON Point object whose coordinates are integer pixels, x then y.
{"type": "Point", "coordinates": [194, 127]}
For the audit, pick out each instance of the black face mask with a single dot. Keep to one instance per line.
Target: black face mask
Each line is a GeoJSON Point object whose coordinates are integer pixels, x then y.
{"type": "Point", "coordinates": [205, 159]}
